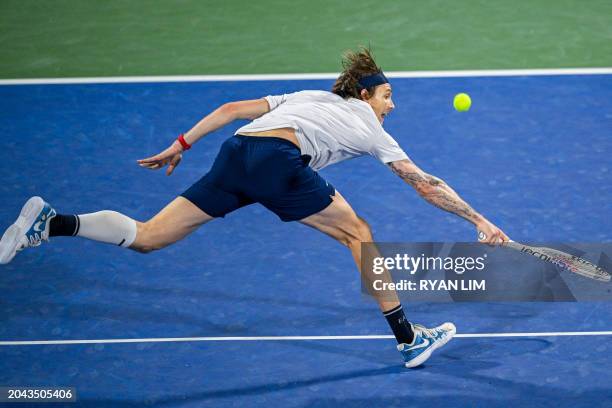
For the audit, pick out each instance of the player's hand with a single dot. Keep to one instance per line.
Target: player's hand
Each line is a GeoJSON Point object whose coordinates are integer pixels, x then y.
{"type": "Point", "coordinates": [171, 156]}
{"type": "Point", "coordinates": [490, 234]}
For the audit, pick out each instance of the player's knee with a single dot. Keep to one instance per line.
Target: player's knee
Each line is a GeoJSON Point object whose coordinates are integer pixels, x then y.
{"type": "Point", "coordinates": [359, 232]}
{"type": "Point", "coordinates": [365, 232]}
{"type": "Point", "coordinates": [147, 240]}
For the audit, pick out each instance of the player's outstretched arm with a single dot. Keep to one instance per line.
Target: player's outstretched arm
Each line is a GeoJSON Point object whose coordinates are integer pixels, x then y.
{"type": "Point", "coordinates": [222, 116]}
{"type": "Point", "coordinates": [438, 193]}
{"type": "Point", "coordinates": [226, 114]}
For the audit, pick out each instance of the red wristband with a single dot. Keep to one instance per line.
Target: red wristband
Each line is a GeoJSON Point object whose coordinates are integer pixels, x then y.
{"type": "Point", "coordinates": [181, 139]}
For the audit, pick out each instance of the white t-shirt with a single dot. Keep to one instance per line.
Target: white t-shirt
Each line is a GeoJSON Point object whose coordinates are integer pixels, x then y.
{"type": "Point", "coordinates": [330, 129]}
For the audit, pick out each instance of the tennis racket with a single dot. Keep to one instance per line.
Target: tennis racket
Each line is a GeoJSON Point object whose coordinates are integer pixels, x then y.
{"type": "Point", "coordinates": [571, 263]}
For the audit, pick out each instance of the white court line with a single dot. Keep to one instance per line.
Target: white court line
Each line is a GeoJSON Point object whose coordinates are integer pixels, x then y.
{"type": "Point", "coordinates": [287, 338]}
{"type": "Point", "coordinates": [292, 77]}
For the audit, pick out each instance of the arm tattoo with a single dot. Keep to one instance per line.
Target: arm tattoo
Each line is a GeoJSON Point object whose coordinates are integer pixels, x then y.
{"type": "Point", "coordinates": [434, 190]}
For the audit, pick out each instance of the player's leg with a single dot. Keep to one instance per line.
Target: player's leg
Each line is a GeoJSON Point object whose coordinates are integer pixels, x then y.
{"type": "Point", "coordinates": [415, 342]}
{"type": "Point", "coordinates": [306, 197]}
{"type": "Point", "coordinates": [177, 220]}
{"type": "Point", "coordinates": [38, 221]}
{"type": "Point", "coordinates": [340, 222]}
{"type": "Point", "coordinates": [210, 197]}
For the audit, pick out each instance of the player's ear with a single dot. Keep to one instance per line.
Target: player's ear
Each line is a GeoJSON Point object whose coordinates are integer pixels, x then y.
{"type": "Point", "coordinates": [364, 94]}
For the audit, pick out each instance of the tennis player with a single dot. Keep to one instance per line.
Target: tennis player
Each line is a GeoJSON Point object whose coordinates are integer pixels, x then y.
{"type": "Point", "coordinates": [273, 161]}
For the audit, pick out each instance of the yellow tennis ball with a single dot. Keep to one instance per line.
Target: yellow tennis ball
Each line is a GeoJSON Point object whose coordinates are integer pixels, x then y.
{"type": "Point", "coordinates": [462, 102]}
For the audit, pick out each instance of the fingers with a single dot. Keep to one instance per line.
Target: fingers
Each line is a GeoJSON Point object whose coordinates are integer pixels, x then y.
{"type": "Point", "coordinates": [151, 165]}
{"type": "Point", "coordinates": [500, 236]}
{"type": "Point", "coordinates": [149, 160]}
{"type": "Point", "coordinates": [173, 163]}
{"type": "Point", "coordinates": [496, 237]}
{"type": "Point", "coordinates": [161, 159]}
{"type": "Point", "coordinates": [155, 162]}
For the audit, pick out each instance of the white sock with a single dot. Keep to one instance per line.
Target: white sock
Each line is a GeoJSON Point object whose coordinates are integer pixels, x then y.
{"type": "Point", "coordinates": [107, 226]}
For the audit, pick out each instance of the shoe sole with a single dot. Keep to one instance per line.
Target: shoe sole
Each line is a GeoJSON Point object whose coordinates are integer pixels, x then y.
{"type": "Point", "coordinates": [426, 354]}
{"type": "Point", "coordinates": [11, 237]}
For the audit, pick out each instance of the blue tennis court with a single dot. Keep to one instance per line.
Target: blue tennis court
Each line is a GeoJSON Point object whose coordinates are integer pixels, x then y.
{"type": "Point", "coordinates": [533, 155]}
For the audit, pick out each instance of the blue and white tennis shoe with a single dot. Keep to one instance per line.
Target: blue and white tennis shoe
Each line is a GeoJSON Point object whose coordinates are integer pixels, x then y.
{"type": "Point", "coordinates": [30, 229]}
{"type": "Point", "coordinates": [425, 342]}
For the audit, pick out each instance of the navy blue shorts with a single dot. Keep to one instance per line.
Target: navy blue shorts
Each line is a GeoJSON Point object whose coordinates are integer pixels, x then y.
{"type": "Point", "coordinates": [266, 170]}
